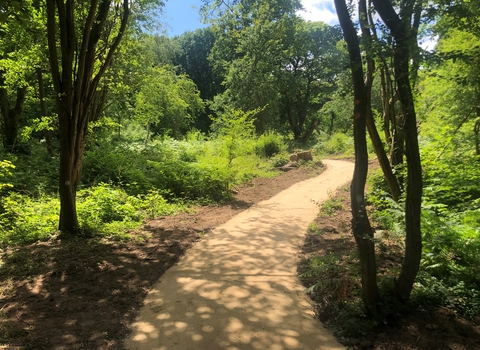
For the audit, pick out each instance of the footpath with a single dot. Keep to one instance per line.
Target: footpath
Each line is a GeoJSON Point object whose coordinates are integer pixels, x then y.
{"type": "Point", "coordinates": [237, 288]}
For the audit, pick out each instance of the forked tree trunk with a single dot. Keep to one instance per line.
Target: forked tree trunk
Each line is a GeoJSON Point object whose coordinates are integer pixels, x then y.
{"type": "Point", "coordinates": [413, 241]}
{"type": "Point", "coordinates": [361, 228]}
{"type": "Point", "coordinates": [76, 74]}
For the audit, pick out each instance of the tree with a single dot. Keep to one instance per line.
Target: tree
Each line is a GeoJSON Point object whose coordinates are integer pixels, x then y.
{"type": "Point", "coordinates": [365, 25]}
{"type": "Point", "coordinates": [276, 61]}
{"type": "Point", "coordinates": [193, 59]}
{"type": "Point", "coordinates": [19, 55]}
{"type": "Point", "coordinates": [307, 75]}
{"type": "Point", "coordinates": [362, 230]}
{"type": "Point", "coordinates": [399, 26]}
{"type": "Point", "coordinates": [90, 33]}
{"type": "Point", "coordinates": [458, 48]}
{"type": "Point", "coordinates": [167, 103]}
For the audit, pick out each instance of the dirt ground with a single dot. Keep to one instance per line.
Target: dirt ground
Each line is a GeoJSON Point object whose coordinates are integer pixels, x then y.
{"type": "Point", "coordinates": [84, 294]}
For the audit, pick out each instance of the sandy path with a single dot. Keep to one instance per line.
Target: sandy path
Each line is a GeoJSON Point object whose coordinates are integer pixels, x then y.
{"type": "Point", "coordinates": [237, 288]}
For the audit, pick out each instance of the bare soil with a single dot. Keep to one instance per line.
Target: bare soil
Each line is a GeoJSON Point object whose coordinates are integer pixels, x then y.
{"type": "Point", "coordinates": [84, 294]}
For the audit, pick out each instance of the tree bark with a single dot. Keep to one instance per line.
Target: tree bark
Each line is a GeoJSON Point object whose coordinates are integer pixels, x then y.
{"type": "Point", "coordinates": [361, 228]}
{"type": "Point", "coordinates": [413, 241]}
{"type": "Point", "coordinates": [76, 76]}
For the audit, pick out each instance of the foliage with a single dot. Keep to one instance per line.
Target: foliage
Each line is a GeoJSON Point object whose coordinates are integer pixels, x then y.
{"type": "Point", "coordinates": [338, 143]}
{"type": "Point", "coordinates": [5, 167]}
{"type": "Point", "coordinates": [24, 219]}
{"type": "Point", "coordinates": [269, 145]}
{"type": "Point", "coordinates": [326, 269]}
{"type": "Point", "coordinates": [103, 211]}
{"type": "Point", "coordinates": [110, 211]}
{"type": "Point", "coordinates": [331, 205]}
{"type": "Point", "coordinates": [167, 103]}
{"type": "Point", "coordinates": [274, 60]}
{"type": "Point", "coordinates": [451, 238]}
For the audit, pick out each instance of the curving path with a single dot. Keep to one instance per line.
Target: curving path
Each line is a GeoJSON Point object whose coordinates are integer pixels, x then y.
{"type": "Point", "coordinates": [237, 288]}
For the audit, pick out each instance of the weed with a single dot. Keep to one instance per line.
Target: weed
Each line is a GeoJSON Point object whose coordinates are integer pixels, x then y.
{"type": "Point", "coordinates": [330, 206]}
{"type": "Point", "coordinates": [314, 229]}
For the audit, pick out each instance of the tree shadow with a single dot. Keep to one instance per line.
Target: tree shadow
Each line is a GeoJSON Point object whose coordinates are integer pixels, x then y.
{"type": "Point", "coordinates": [81, 294]}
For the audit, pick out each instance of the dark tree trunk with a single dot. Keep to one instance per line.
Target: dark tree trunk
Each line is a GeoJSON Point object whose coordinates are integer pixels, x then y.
{"type": "Point", "coordinates": [309, 132]}
{"type": "Point", "coordinates": [11, 116]}
{"type": "Point", "coordinates": [330, 126]}
{"type": "Point", "coordinates": [361, 228]}
{"type": "Point", "coordinates": [387, 105]}
{"type": "Point", "coordinates": [477, 141]}
{"type": "Point", "coordinates": [413, 241]}
{"type": "Point", "coordinates": [389, 99]}
{"type": "Point", "coordinates": [397, 150]}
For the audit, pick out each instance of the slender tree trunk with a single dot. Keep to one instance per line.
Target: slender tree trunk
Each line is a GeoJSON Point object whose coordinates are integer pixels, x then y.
{"type": "Point", "coordinates": [372, 129]}
{"type": "Point", "coordinates": [386, 95]}
{"type": "Point", "coordinates": [477, 124]}
{"type": "Point", "coordinates": [413, 240]}
{"type": "Point", "coordinates": [477, 141]}
{"type": "Point", "coordinates": [43, 108]}
{"type": "Point", "coordinates": [361, 228]}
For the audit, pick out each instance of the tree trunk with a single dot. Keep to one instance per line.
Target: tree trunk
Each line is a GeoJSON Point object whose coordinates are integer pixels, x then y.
{"type": "Point", "coordinates": [76, 74]}
{"type": "Point", "coordinates": [477, 141]}
{"type": "Point", "coordinates": [372, 129]}
{"type": "Point", "coordinates": [413, 240]}
{"type": "Point", "coordinates": [72, 140]}
{"type": "Point", "coordinates": [43, 109]}
{"type": "Point", "coordinates": [11, 116]}
{"type": "Point", "coordinates": [309, 132]}
{"type": "Point", "coordinates": [361, 228]}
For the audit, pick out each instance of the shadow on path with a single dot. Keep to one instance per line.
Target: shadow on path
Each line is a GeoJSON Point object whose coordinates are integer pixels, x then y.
{"type": "Point", "coordinates": [237, 288]}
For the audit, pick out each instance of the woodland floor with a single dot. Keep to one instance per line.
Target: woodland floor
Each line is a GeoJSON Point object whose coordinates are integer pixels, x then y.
{"type": "Point", "coordinates": [83, 294]}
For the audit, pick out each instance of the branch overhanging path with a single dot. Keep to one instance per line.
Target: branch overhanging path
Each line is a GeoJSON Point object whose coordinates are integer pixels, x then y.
{"type": "Point", "coordinates": [237, 288]}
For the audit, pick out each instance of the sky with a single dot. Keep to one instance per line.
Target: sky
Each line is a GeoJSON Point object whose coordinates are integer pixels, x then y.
{"type": "Point", "coordinates": [180, 16]}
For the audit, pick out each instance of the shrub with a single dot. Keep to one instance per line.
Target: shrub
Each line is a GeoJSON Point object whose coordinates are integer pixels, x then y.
{"type": "Point", "coordinates": [5, 167]}
{"type": "Point", "coordinates": [269, 145]}
{"type": "Point", "coordinates": [103, 210]}
{"type": "Point", "coordinates": [336, 144]}
{"type": "Point", "coordinates": [24, 219]}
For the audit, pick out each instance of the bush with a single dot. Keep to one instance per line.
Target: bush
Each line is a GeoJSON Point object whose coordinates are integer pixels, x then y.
{"type": "Point", "coordinates": [110, 211]}
{"type": "Point", "coordinates": [5, 167]}
{"type": "Point", "coordinates": [336, 144]}
{"type": "Point", "coordinates": [269, 145]}
{"type": "Point", "coordinates": [102, 210]}
{"type": "Point", "coordinates": [24, 219]}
